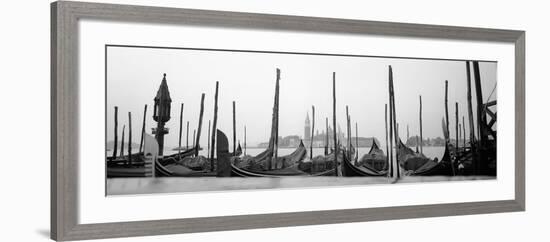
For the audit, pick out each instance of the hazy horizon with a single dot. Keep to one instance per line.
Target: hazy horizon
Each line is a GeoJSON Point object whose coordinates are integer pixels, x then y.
{"type": "Point", "coordinates": [134, 75]}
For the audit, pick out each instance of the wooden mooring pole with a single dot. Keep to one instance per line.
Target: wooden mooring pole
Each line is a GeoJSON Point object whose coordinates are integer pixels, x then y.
{"type": "Point", "coordinates": [197, 142]}
{"type": "Point", "coordinates": [448, 138]}
{"type": "Point", "coordinates": [245, 140]}
{"type": "Point", "coordinates": [420, 119]}
{"type": "Point", "coordinates": [326, 136]}
{"type": "Point", "coordinates": [481, 121]}
{"type": "Point", "coordinates": [142, 129]}
{"type": "Point", "coordinates": [463, 132]}
{"type": "Point", "coordinates": [181, 124]}
{"type": "Point", "coordinates": [334, 124]}
{"type": "Point", "coordinates": [234, 130]}
{"type": "Point", "coordinates": [194, 135]}
{"type": "Point", "coordinates": [456, 129]}
{"type": "Point", "coordinates": [387, 148]}
{"type": "Point", "coordinates": [208, 139]}
{"type": "Point", "coordinates": [312, 132]}
{"type": "Point", "coordinates": [396, 128]}
{"type": "Point", "coordinates": [187, 136]}
{"type": "Point", "coordinates": [471, 119]}
{"type": "Point", "coordinates": [122, 141]}
{"type": "Point", "coordinates": [348, 133]}
{"type": "Point", "coordinates": [390, 123]}
{"type": "Point", "coordinates": [129, 138]}
{"type": "Point", "coordinates": [446, 108]}
{"type": "Point", "coordinates": [214, 124]}
{"type": "Point", "coordinates": [357, 143]}
{"type": "Point", "coordinates": [116, 134]}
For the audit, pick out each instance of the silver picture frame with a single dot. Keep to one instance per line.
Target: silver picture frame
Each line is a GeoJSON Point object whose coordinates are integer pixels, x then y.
{"type": "Point", "coordinates": [64, 118]}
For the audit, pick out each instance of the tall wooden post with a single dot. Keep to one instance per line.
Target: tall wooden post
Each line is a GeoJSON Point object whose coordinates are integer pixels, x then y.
{"type": "Point", "coordinates": [421, 137]}
{"type": "Point", "coordinates": [142, 129]}
{"type": "Point", "coordinates": [198, 143]}
{"type": "Point", "coordinates": [334, 123]}
{"type": "Point", "coordinates": [312, 132]}
{"type": "Point", "coordinates": [459, 132]}
{"type": "Point", "coordinates": [347, 133]}
{"type": "Point", "coordinates": [187, 136]}
{"type": "Point", "coordinates": [116, 134]}
{"type": "Point", "coordinates": [397, 131]}
{"type": "Point", "coordinates": [357, 143]}
{"type": "Point", "coordinates": [234, 130]}
{"type": "Point", "coordinates": [179, 139]}
{"type": "Point", "coordinates": [456, 128]}
{"type": "Point", "coordinates": [122, 142]}
{"type": "Point", "coordinates": [470, 109]}
{"type": "Point", "coordinates": [194, 136]}
{"type": "Point", "coordinates": [245, 140]}
{"type": "Point", "coordinates": [391, 124]}
{"type": "Point", "coordinates": [274, 136]}
{"type": "Point", "coordinates": [387, 148]}
{"type": "Point", "coordinates": [396, 128]}
{"type": "Point", "coordinates": [276, 150]}
{"type": "Point", "coordinates": [463, 132]}
{"type": "Point", "coordinates": [417, 143]}
{"type": "Point", "coordinates": [129, 138]}
{"type": "Point", "coordinates": [326, 136]}
{"type": "Point", "coordinates": [214, 128]}
{"type": "Point", "coordinates": [446, 108]}
{"type": "Point", "coordinates": [208, 139]}
{"type": "Point", "coordinates": [448, 138]}
{"type": "Point", "coordinates": [471, 119]}
{"type": "Point", "coordinates": [481, 120]}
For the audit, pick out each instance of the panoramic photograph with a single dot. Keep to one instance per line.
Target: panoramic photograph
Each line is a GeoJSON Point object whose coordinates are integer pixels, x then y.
{"type": "Point", "coordinates": [192, 120]}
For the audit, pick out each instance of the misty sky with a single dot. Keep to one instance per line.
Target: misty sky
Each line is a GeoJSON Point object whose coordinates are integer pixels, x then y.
{"type": "Point", "coordinates": [134, 75]}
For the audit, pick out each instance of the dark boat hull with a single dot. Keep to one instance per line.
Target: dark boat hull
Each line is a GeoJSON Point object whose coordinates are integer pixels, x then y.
{"type": "Point", "coordinates": [350, 170]}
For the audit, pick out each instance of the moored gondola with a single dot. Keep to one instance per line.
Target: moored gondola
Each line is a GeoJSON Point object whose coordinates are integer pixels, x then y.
{"type": "Point", "coordinates": [436, 168]}
{"type": "Point", "coordinates": [350, 170]}
{"type": "Point", "coordinates": [375, 159]}
{"type": "Point", "coordinates": [410, 160]}
{"type": "Point", "coordinates": [224, 163]}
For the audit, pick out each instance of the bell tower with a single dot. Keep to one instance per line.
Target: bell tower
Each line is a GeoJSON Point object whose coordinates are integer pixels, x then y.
{"type": "Point", "coordinates": [307, 128]}
{"type": "Point", "coordinates": [161, 113]}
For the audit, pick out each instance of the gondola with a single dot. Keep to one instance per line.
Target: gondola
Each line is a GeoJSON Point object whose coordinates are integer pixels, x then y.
{"type": "Point", "coordinates": [443, 167]}
{"type": "Point", "coordinates": [319, 163]}
{"type": "Point", "coordinates": [350, 170]}
{"type": "Point", "coordinates": [177, 170]}
{"type": "Point", "coordinates": [436, 168]}
{"type": "Point", "coordinates": [375, 159]}
{"type": "Point", "coordinates": [224, 163]}
{"type": "Point", "coordinates": [121, 161]}
{"type": "Point", "coordinates": [143, 171]}
{"type": "Point", "coordinates": [141, 166]}
{"type": "Point", "coordinates": [121, 167]}
{"type": "Point", "coordinates": [410, 160]}
{"type": "Point", "coordinates": [238, 152]}
{"type": "Point", "coordinates": [261, 161]}
{"type": "Point", "coordinates": [286, 172]}
{"type": "Point", "coordinates": [173, 158]}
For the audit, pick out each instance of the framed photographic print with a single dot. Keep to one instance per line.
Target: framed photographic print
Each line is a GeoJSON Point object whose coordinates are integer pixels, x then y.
{"type": "Point", "coordinates": [256, 120]}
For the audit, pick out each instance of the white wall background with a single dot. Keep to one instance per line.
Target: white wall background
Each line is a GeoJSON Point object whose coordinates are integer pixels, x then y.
{"type": "Point", "coordinates": [24, 100]}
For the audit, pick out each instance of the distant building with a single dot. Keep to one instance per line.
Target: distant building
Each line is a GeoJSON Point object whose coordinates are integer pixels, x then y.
{"type": "Point", "coordinates": [284, 142]}
{"type": "Point", "coordinates": [413, 140]}
{"type": "Point", "coordinates": [289, 141]}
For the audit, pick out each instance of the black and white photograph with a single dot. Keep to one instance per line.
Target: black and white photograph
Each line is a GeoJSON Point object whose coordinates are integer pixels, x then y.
{"type": "Point", "coordinates": [187, 119]}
